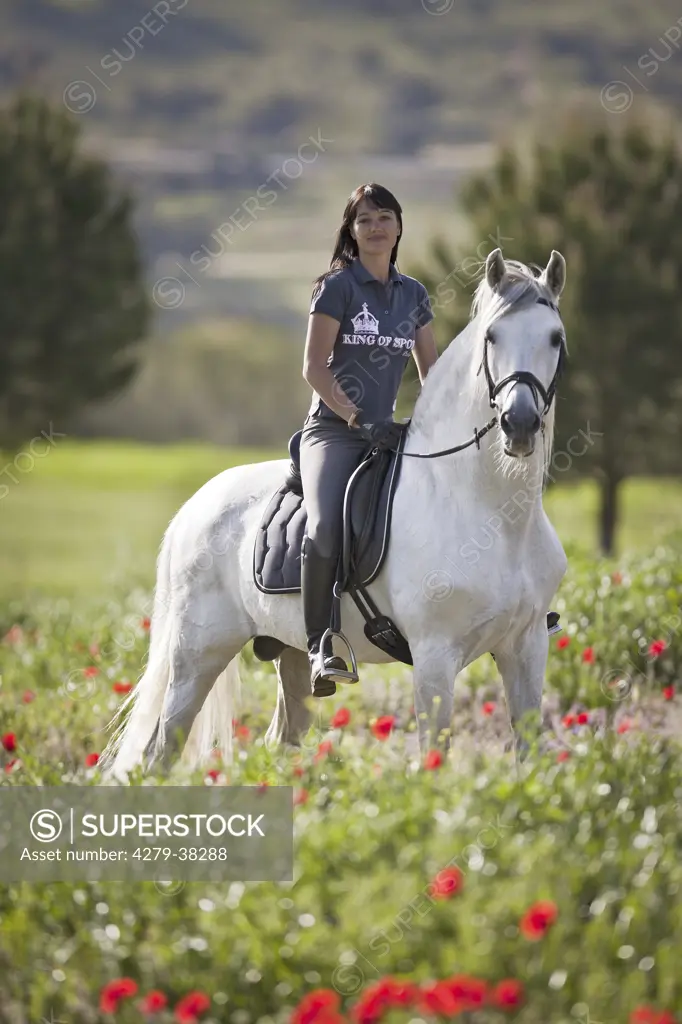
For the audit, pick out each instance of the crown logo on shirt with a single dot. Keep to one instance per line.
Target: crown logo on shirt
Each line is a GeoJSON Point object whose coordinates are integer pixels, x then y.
{"type": "Point", "coordinates": [364, 322]}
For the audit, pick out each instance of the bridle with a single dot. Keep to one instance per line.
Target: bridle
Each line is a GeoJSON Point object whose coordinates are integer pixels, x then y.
{"type": "Point", "coordinates": [519, 376]}
{"type": "Point", "coordinates": [524, 376]}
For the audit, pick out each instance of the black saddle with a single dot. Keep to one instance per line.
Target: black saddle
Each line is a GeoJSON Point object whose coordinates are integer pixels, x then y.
{"type": "Point", "coordinates": [366, 528]}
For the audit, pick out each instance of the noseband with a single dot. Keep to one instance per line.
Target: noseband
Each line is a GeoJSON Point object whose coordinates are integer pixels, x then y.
{"type": "Point", "coordinates": [521, 377]}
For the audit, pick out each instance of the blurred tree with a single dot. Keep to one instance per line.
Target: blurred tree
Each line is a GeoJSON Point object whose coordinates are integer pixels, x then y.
{"type": "Point", "coordinates": [72, 298]}
{"type": "Point", "coordinates": [608, 195]}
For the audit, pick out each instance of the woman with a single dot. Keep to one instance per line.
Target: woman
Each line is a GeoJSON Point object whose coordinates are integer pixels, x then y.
{"type": "Point", "coordinates": [365, 320]}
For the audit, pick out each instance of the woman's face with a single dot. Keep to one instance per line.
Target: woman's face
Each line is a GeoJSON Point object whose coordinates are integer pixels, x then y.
{"type": "Point", "coordinates": [376, 231]}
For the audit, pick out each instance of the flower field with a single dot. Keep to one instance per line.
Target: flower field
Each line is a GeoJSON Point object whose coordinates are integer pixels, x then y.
{"type": "Point", "coordinates": [425, 890]}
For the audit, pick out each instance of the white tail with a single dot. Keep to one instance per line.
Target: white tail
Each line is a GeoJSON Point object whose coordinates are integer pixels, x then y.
{"type": "Point", "coordinates": [137, 718]}
{"type": "Point", "coordinates": [213, 725]}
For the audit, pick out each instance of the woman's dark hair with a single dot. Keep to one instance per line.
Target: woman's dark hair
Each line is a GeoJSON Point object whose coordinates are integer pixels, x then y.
{"type": "Point", "coordinates": [345, 247]}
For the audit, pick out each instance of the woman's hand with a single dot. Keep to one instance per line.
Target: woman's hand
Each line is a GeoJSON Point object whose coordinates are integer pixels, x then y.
{"type": "Point", "coordinates": [384, 434]}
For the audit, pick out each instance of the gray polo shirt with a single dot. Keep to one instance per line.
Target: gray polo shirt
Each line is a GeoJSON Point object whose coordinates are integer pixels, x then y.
{"type": "Point", "coordinates": [377, 326]}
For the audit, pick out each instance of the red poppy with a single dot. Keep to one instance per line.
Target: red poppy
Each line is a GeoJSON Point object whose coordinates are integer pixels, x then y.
{"type": "Point", "coordinates": [190, 1006]}
{"type": "Point", "coordinates": [9, 742]}
{"type": "Point", "coordinates": [489, 707]}
{"type": "Point", "coordinates": [340, 718]}
{"type": "Point", "coordinates": [323, 749]}
{"type": "Point", "coordinates": [242, 732]}
{"type": "Point", "coordinates": [507, 994]}
{"type": "Point", "coordinates": [563, 755]}
{"type": "Point", "coordinates": [91, 760]}
{"type": "Point", "coordinates": [146, 623]}
{"type": "Point", "coordinates": [562, 642]}
{"type": "Point", "coordinates": [112, 993]}
{"type": "Point", "coordinates": [386, 994]}
{"type": "Point", "coordinates": [538, 919]}
{"type": "Point", "coordinates": [644, 1015]}
{"type": "Point", "coordinates": [657, 647]}
{"type": "Point", "coordinates": [624, 726]}
{"type": "Point", "coordinates": [567, 721]}
{"type": "Point", "coordinates": [397, 992]}
{"type": "Point", "coordinates": [588, 655]}
{"type": "Point", "coordinates": [213, 773]}
{"type": "Point", "coordinates": [433, 759]}
{"type": "Point", "coordinates": [28, 696]}
{"type": "Point", "coordinates": [446, 883]}
{"type": "Point", "coordinates": [583, 718]}
{"type": "Point", "coordinates": [122, 687]}
{"type": "Point", "coordinates": [91, 670]}
{"type": "Point", "coordinates": [383, 727]}
{"type": "Point", "coordinates": [468, 991]}
{"type": "Point", "coordinates": [648, 1015]}
{"type": "Point", "coordinates": [301, 797]}
{"type": "Point", "coordinates": [668, 692]}
{"type": "Point", "coordinates": [153, 1001]}
{"type": "Point", "coordinates": [437, 998]}
{"type": "Point", "coordinates": [317, 1007]}
{"type": "Point", "coordinates": [297, 771]}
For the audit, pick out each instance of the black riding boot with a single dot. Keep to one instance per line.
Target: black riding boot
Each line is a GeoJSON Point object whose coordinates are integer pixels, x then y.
{"type": "Point", "coordinates": [317, 584]}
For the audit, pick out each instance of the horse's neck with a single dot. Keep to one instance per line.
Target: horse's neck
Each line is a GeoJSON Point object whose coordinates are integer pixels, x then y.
{"type": "Point", "coordinates": [454, 400]}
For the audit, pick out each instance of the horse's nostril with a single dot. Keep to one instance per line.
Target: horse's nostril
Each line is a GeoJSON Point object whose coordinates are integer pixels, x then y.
{"type": "Point", "coordinates": [526, 424]}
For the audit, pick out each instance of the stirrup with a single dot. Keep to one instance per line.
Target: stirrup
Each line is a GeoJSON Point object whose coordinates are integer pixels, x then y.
{"type": "Point", "coordinates": [335, 673]}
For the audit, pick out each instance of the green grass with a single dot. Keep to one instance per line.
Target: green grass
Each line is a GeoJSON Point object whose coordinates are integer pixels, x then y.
{"type": "Point", "coordinates": [94, 512]}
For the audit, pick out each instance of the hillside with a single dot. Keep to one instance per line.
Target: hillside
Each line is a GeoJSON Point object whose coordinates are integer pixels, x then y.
{"type": "Point", "coordinates": [198, 103]}
{"type": "Point", "coordinates": [382, 76]}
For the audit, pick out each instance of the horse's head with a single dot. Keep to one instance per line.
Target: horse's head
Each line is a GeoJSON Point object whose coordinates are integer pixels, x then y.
{"type": "Point", "coordinates": [524, 344]}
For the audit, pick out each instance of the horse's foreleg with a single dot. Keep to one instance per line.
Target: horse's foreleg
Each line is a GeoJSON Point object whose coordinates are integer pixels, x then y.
{"type": "Point", "coordinates": [522, 663]}
{"type": "Point", "coordinates": [435, 668]}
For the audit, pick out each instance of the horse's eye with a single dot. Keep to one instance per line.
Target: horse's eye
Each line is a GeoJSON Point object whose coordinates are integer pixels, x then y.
{"type": "Point", "coordinates": [557, 339]}
{"type": "Point", "coordinates": [489, 337]}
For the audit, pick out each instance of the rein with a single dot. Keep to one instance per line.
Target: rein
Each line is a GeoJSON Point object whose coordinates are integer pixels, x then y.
{"type": "Point", "coordinates": [520, 376]}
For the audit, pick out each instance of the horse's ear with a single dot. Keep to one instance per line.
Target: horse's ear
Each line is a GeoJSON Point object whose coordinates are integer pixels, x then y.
{"type": "Point", "coordinates": [554, 274]}
{"type": "Point", "coordinates": [495, 270]}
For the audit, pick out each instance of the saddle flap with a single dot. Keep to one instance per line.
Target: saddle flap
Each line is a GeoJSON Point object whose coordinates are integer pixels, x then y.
{"type": "Point", "coordinates": [367, 513]}
{"type": "Point", "coordinates": [366, 523]}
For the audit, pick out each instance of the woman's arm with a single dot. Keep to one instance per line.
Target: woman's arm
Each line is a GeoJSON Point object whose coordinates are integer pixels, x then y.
{"type": "Point", "coordinates": [319, 344]}
{"type": "Point", "coordinates": [424, 352]}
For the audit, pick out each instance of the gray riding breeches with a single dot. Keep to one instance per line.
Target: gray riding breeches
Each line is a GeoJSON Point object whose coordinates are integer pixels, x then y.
{"type": "Point", "coordinates": [330, 452]}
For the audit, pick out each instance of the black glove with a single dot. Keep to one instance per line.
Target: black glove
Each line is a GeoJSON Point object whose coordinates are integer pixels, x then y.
{"type": "Point", "coordinates": [384, 434]}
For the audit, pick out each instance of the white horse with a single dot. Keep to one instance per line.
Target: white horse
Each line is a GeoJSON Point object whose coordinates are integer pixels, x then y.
{"type": "Point", "coordinates": [472, 564]}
